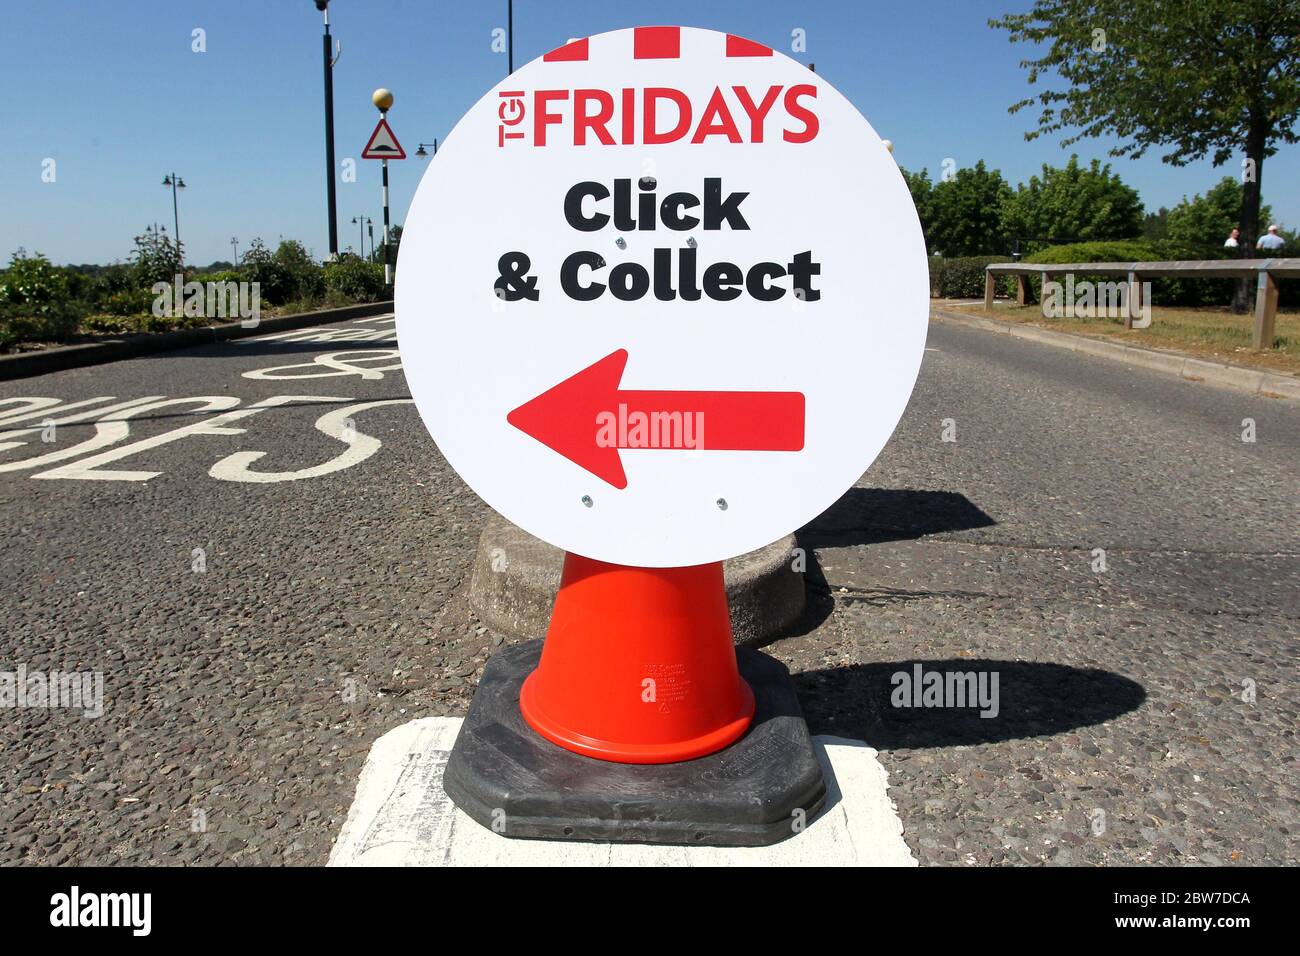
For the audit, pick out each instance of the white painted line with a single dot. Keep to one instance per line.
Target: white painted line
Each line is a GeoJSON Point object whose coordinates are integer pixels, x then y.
{"type": "Point", "coordinates": [402, 817]}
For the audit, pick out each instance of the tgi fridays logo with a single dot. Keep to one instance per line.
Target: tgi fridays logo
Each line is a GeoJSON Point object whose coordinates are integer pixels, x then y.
{"type": "Point", "coordinates": [656, 115]}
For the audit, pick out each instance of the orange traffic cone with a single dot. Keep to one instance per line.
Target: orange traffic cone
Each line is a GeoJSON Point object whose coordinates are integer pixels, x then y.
{"type": "Point", "coordinates": [638, 665]}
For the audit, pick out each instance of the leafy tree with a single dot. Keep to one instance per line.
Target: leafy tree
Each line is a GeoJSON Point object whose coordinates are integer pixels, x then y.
{"type": "Point", "coordinates": [1207, 78]}
{"type": "Point", "coordinates": [1205, 222]}
{"type": "Point", "coordinates": [965, 212]}
{"type": "Point", "coordinates": [922, 190]}
{"type": "Point", "coordinates": [1073, 203]}
{"type": "Point", "coordinates": [1155, 225]}
{"type": "Point", "coordinates": [379, 254]}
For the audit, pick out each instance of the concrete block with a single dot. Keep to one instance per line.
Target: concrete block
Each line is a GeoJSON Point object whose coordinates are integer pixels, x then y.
{"type": "Point", "coordinates": [402, 817]}
{"type": "Point", "coordinates": [515, 577]}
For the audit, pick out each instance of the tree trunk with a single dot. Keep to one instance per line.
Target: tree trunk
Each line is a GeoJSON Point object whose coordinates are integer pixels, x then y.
{"type": "Point", "coordinates": [1256, 139]}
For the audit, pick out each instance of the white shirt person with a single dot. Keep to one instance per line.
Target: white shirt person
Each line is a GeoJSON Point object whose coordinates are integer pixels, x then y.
{"type": "Point", "coordinates": [1270, 241]}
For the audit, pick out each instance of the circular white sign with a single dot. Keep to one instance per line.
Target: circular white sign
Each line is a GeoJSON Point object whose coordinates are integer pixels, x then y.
{"type": "Point", "coordinates": [662, 296]}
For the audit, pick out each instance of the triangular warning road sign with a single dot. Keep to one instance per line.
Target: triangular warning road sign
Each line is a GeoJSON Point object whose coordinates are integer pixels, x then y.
{"type": "Point", "coordinates": [383, 144]}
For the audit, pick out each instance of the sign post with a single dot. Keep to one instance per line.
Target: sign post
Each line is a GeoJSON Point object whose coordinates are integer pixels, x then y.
{"type": "Point", "coordinates": [383, 145]}
{"type": "Point", "coordinates": [682, 310]}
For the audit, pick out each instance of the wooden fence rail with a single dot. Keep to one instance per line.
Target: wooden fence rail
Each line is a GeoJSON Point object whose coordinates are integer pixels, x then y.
{"type": "Point", "coordinates": [1267, 271]}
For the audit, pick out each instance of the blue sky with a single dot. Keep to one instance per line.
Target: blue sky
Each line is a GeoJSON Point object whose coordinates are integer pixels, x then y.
{"type": "Point", "coordinates": [114, 94]}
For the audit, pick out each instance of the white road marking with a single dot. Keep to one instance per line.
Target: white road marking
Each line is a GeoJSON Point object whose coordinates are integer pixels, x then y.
{"type": "Point", "coordinates": [109, 430]}
{"type": "Point", "coordinates": [88, 469]}
{"type": "Point", "coordinates": [112, 421]}
{"type": "Point", "coordinates": [326, 335]}
{"type": "Point", "coordinates": [335, 424]}
{"type": "Point", "coordinates": [402, 817]}
{"type": "Point", "coordinates": [38, 407]}
{"type": "Point", "coordinates": [333, 365]}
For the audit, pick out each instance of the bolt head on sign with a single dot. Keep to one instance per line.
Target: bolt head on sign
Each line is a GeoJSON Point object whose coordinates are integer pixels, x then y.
{"type": "Point", "coordinates": [654, 271]}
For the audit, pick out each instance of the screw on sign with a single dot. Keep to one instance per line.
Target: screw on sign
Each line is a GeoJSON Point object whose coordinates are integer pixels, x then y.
{"type": "Point", "coordinates": [653, 271]}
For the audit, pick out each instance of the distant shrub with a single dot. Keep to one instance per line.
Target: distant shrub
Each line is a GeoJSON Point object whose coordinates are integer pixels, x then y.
{"type": "Point", "coordinates": [305, 278]}
{"type": "Point", "coordinates": [935, 264]}
{"type": "Point", "coordinates": [128, 302]}
{"type": "Point", "coordinates": [1185, 292]}
{"type": "Point", "coordinates": [355, 279]}
{"type": "Point", "coordinates": [32, 281]}
{"type": "Point", "coordinates": [35, 304]}
{"type": "Point", "coordinates": [961, 278]}
{"type": "Point", "coordinates": [156, 258]}
{"type": "Point", "coordinates": [54, 322]}
{"type": "Point", "coordinates": [259, 264]}
{"type": "Point", "coordinates": [106, 323]}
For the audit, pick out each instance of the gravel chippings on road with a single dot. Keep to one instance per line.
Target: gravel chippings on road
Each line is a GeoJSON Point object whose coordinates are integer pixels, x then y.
{"type": "Point", "coordinates": [240, 701]}
{"type": "Point", "coordinates": [1148, 711]}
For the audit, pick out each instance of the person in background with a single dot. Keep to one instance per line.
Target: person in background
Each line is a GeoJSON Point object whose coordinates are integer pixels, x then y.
{"type": "Point", "coordinates": [1232, 241]}
{"type": "Point", "coordinates": [1270, 241]}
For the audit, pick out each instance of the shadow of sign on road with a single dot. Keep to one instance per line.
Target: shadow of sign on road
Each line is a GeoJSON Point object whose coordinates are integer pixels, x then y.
{"type": "Point", "coordinates": [874, 515]}
{"type": "Point", "coordinates": [871, 516]}
{"type": "Point", "coordinates": [1031, 700]}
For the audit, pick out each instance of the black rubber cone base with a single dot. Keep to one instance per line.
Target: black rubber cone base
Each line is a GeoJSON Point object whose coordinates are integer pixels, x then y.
{"type": "Point", "coordinates": [756, 792]}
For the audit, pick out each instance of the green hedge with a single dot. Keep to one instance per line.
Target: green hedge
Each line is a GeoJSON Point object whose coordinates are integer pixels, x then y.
{"type": "Point", "coordinates": [52, 322]}
{"type": "Point", "coordinates": [1174, 292]}
{"type": "Point", "coordinates": [960, 278]}
{"type": "Point", "coordinates": [352, 277]}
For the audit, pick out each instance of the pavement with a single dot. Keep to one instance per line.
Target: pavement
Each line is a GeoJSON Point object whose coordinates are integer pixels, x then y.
{"type": "Point", "coordinates": [266, 590]}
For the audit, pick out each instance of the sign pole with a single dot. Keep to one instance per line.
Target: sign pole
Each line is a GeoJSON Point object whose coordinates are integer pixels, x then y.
{"type": "Point", "coordinates": [383, 145]}
{"type": "Point", "coordinates": [388, 276]}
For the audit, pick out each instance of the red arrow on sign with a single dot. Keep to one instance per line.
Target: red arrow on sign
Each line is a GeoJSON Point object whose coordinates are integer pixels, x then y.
{"type": "Point", "coordinates": [587, 418]}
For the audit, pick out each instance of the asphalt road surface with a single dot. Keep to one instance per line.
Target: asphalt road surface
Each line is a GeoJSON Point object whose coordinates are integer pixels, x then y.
{"type": "Point", "coordinates": [265, 559]}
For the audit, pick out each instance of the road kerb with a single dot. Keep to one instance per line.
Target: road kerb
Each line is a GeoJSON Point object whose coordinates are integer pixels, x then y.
{"type": "Point", "coordinates": [41, 361]}
{"type": "Point", "coordinates": [1186, 367]}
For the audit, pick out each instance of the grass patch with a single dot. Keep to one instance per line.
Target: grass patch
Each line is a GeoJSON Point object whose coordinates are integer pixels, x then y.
{"type": "Point", "coordinates": [1208, 332]}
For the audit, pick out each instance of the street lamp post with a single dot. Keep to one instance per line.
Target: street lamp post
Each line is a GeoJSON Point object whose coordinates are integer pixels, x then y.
{"type": "Point", "coordinates": [422, 152]}
{"type": "Point", "coordinates": [175, 182]}
{"type": "Point", "coordinates": [323, 7]}
{"type": "Point", "coordinates": [363, 222]}
{"type": "Point", "coordinates": [234, 244]}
